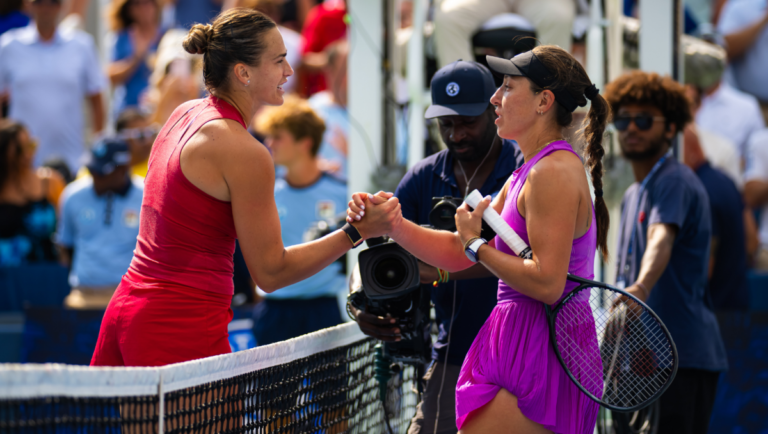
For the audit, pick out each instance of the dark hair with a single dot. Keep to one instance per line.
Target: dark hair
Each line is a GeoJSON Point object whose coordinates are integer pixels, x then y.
{"type": "Point", "coordinates": [9, 137]}
{"type": "Point", "coordinates": [8, 6]}
{"type": "Point", "coordinates": [236, 36]}
{"type": "Point", "coordinates": [649, 88]}
{"type": "Point", "coordinates": [571, 77]}
{"type": "Point", "coordinates": [119, 16]}
{"type": "Point", "coordinates": [127, 116]}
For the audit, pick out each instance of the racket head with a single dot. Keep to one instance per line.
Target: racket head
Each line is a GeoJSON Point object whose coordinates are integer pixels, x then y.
{"type": "Point", "coordinates": [622, 357]}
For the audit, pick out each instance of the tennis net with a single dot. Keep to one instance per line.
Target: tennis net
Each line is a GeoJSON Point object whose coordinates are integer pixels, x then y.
{"type": "Point", "coordinates": [324, 382]}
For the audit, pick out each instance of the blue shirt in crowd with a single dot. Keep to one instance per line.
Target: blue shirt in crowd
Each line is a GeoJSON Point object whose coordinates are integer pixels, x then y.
{"type": "Point", "coordinates": [728, 283]}
{"type": "Point", "coordinates": [675, 196]}
{"type": "Point", "coordinates": [300, 209]}
{"type": "Point", "coordinates": [747, 72]}
{"type": "Point", "coordinates": [102, 230]}
{"type": "Point", "coordinates": [336, 122]}
{"type": "Point", "coordinates": [476, 298]}
{"type": "Point", "coordinates": [191, 12]}
{"type": "Point", "coordinates": [13, 20]}
{"type": "Point", "coordinates": [128, 93]}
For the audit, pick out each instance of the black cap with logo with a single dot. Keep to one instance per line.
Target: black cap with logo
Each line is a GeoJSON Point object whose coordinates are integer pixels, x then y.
{"type": "Point", "coordinates": [461, 88]}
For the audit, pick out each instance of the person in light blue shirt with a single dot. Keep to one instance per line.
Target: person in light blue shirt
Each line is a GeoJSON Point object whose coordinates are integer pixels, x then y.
{"type": "Point", "coordinates": [99, 224]}
{"type": "Point", "coordinates": [744, 24]}
{"type": "Point", "coordinates": [331, 105]}
{"type": "Point", "coordinates": [46, 72]}
{"type": "Point", "coordinates": [307, 200]}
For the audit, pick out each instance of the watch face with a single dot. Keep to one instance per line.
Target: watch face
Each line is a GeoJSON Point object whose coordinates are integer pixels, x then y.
{"type": "Point", "coordinates": [470, 254]}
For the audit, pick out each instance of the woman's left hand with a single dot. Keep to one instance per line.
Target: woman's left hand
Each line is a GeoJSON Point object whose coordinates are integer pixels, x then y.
{"type": "Point", "coordinates": [470, 223]}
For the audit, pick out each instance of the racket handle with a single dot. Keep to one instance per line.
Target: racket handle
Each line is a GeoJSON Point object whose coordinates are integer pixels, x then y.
{"type": "Point", "coordinates": [502, 229]}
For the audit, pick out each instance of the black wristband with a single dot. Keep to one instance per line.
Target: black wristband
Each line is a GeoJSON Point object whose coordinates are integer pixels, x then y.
{"type": "Point", "coordinates": [354, 236]}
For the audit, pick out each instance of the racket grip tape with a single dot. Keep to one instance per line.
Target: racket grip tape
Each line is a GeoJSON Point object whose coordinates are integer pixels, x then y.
{"type": "Point", "coordinates": [501, 227]}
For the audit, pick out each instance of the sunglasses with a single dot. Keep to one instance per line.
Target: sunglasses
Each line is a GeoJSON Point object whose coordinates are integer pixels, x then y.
{"type": "Point", "coordinates": [643, 122]}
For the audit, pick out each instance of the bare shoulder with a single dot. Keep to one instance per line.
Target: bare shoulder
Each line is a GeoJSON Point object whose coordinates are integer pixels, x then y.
{"type": "Point", "coordinates": [562, 169]}
{"type": "Point", "coordinates": [227, 143]}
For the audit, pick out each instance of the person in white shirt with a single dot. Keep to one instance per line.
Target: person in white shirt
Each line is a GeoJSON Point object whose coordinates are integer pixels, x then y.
{"type": "Point", "coordinates": [704, 66]}
{"type": "Point", "coordinates": [731, 113]}
{"type": "Point", "coordinates": [45, 73]}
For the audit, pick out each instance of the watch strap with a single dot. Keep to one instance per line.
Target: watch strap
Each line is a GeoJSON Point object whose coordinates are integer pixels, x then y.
{"type": "Point", "coordinates": [352, 233]}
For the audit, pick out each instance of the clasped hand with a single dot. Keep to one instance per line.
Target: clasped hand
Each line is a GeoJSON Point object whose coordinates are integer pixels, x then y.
{"type": "Point", "coordinates": [469, 224]}
{"type": "Point", "coordinates": [382, 211]}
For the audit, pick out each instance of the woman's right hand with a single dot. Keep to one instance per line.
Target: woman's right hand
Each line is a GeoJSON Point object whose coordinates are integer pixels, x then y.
{"type": "Point", "coordinates": [381, 216]}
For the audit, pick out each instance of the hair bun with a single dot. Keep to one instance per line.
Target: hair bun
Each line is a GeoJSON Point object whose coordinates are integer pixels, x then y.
{"type": "Point", "coordinates": [198, 39]}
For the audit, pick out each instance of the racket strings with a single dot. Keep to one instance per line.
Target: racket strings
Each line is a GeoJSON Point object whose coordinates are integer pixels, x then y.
{"type": "Point", "coordinates": [620, 354]}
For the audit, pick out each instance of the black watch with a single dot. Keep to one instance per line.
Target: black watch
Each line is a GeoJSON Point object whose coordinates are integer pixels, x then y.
{"type": "Point", "coordinates": [354, 236]}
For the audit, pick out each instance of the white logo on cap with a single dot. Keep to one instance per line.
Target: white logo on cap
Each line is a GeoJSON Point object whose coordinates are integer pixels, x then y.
{"type": "Point", "coordinates": [452, 89]}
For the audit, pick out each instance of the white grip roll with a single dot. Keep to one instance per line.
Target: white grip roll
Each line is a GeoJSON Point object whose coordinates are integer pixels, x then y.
{"type": "Point", "coordinates": [501, 227]}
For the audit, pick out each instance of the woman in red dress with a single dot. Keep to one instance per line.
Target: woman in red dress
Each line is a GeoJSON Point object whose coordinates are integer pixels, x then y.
{"type": "Point", "coordinates": [209, 183]}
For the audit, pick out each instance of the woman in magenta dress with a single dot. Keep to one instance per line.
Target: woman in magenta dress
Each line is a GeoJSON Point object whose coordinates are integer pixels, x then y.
{"type": "Point", "coordinates": [511, 380]}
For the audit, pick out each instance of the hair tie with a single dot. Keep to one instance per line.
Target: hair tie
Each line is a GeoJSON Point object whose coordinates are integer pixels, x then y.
{"type": "Point", "coordinates": [598, 193]}
{"type": "Point", "coordinates": [591, 92]}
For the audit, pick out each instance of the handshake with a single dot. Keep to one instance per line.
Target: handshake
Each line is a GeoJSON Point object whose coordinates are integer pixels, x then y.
{"type": "Point", "coordinates": [375, 215]}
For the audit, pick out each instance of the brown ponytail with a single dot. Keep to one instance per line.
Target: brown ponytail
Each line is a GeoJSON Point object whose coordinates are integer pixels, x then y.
{"type": "Point", "coordinates": [572, 77]}
{"type": "Point", "coordinates": [594, 127]}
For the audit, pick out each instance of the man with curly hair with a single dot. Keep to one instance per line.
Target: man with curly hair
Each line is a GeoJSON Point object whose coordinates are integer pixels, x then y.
{"type": "Point", "coordinates": [664, 242]}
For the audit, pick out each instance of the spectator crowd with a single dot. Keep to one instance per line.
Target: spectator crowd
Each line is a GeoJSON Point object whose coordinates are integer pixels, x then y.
{"type": "Point", "coordinates": [77, 130]}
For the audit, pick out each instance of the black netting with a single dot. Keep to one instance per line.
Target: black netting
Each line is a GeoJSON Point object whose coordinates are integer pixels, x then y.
{"type": "Point", "coordinates": [334, 391]}
{"type": "Point", "coordinates": [79, 415]}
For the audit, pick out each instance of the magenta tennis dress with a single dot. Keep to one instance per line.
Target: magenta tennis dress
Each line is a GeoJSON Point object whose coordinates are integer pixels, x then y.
{"type": "Point", "coordinates": [512, 349]}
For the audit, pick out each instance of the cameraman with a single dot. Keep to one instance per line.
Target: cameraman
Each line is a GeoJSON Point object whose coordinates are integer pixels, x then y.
{"type": "Point", "coordinates": [476, 158]}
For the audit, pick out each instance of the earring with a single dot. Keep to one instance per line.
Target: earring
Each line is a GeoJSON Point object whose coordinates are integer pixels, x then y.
{"type": "Point", "coordinates": [539, 112]}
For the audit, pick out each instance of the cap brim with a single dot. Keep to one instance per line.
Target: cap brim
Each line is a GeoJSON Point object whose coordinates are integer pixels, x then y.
{"type": "Point", "coordinates": [95, 170]}
{"type": "Point", "coordinates": [475, 109]}
{"type": "Point", "coordinates": [502, 66]}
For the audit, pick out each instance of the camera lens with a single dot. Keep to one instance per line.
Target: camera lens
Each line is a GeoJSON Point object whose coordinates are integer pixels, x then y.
{"type": "Point", "coordinates": [390, 272]}
{"type": "Point", "coordinates": [443, 215]}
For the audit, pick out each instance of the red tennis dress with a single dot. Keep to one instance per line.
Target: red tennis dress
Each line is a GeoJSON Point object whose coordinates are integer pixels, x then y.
{"type": "Point", "coordinates": [173, 304]}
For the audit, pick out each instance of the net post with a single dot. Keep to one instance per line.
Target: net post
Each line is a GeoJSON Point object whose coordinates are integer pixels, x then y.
{"type": "Point", "coordinates": [160, 405]}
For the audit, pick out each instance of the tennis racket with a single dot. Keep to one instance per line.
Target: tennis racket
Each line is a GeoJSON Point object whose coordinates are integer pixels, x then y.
{"type": "Point", "coordinates": [612, 345]}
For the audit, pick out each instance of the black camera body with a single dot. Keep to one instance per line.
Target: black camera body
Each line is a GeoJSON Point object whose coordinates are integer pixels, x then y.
{"type": "Point", "coordinates": [443, 216]}
{"type": "Point", "coordinates": [390, 277]}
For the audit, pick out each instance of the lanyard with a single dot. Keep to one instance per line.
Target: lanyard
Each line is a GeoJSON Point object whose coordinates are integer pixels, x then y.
{"type": "Point", "coordinates": [643, 185]}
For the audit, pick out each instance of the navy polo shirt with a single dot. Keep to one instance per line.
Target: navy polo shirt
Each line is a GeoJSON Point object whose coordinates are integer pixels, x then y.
{"type": "Point", "coordinates": [728, 284]}
{"type": "Point", "coordinates": [676, 196]}
{"type": "Point", "coordinates": [476, 298]}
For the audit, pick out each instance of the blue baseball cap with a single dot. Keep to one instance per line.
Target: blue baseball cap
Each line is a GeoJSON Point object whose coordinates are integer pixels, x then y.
{"type": "Point", "coordinates": [461, 88]}
{"type": "Point", "coordinates": [106, 155]}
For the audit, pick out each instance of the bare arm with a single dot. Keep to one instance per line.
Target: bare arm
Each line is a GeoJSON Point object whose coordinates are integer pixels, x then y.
{"type": "Point", "coordinates": [121, 70]}
{"type": "Point", "coordinates": [661, 238]}
{"type": "Point", "coordinates": [428, 273]}
{"type": "Point", "coordinates": [97, 111]}
{"type": "Point", "coordinates": [737, 43]}
{"type": "Point", "coordinates": [755, 193]}
{"type": "Point", "coordinates": [750, 233]}
{"type": "Point", "coordinates": [248, 172]}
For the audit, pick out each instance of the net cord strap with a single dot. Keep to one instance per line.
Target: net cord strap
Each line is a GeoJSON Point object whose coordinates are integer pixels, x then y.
{"type": "Point", "coordinates": [160, 407]}
{"type": "Point", "coordinates": [40, 380]}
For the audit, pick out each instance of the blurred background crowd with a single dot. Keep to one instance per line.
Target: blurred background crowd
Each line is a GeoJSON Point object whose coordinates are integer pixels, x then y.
{"type": "Point", "coordinates": [81, 108]}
